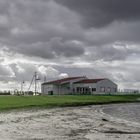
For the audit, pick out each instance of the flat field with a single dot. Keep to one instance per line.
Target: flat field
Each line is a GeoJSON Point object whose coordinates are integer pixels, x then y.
{"type": "Point", "coordinates": [14, 102]}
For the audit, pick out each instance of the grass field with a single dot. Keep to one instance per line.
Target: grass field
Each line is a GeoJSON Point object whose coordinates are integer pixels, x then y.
{"type": "Point", "coordinates": [12, 102]}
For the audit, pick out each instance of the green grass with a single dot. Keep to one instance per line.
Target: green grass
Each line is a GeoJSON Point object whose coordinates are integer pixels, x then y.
{"type": "Point", "coordinates": [12, 102]}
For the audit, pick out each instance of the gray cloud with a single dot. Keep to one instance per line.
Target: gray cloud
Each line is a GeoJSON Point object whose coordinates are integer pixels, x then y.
{"type": "Point", "coordinates": [6, 71]}
{"type": "Point", "coordinates": [39, 49]}
{"type": "Point", "coordinates": [31, 26]}
{"type": "Point", "coordinates": [52, 49]}
{"type": "Point", "coordinates": [67, 49]}
{"type": "Point", "coordinates": [99, 13]}
{"type": "Point", "coordinates": [111, 52]}
{"type": "Point", "coordinates": [69, 37]}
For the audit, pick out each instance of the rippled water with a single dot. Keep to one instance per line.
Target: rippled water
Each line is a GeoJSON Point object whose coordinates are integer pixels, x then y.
{"type": "Point", "coordinates": [129, 112]}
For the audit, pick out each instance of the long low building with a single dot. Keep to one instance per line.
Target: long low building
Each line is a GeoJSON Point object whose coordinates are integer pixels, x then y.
{"type": "Point", "coordinates": [78, 85]}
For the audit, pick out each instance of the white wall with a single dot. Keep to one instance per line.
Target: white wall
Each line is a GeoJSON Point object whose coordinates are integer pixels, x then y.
{"type": "Point", "coordinates": [46, 88]}
{"type": "Point", "coordinates": [64, 89]}
{"type": "Point", "coordinates": [106, 85]}
{"type": "Point", "coordinates": [86, 85]}
{"type": "Point", "coordinates": [68, 88]}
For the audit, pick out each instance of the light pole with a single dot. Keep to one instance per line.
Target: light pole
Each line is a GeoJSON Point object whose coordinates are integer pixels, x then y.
{"type": "Point", "coordinates": [36, 79]}
{"type": "Point", "coordinates": [22, 83]}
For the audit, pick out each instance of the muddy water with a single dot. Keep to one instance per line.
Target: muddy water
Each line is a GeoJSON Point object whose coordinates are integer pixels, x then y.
{"type": "Point", "coordinates": [79, 123]}
{"type": "Point", "coordinates": [130, 112]}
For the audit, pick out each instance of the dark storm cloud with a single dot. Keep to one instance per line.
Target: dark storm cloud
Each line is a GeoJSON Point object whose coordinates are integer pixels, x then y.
{"type": "Point", "coordinates": [97, 38]}
{"type": "Point", "coordinates": [67, 49]}
{"type": "Point", "coordinates": [31, 28]}
{"type": "Point", "coordinates": [99, 13]}
{"type": "Point", "coordinates": [27, 27]}
{"type": "Point", "coordinates": [112, 52]}
{"type": "Point", "coordinates": [127, 32]}
{"type": "Point", "coordinates": [52, 29]}
{"type": "Point", "coordinates": [54, 48]}
{"type": "Point", "coordinates": [38, 50]}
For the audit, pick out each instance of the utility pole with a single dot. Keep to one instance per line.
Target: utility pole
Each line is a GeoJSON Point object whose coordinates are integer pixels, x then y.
{"type": "Point", "coordinates": [35, 75]}
{"type": "Point", "coordinates": [45, 79]}
{"type": "Point", "coordinates": [22, 87]}
{"type": "Point", "coordinates": [34, 80]}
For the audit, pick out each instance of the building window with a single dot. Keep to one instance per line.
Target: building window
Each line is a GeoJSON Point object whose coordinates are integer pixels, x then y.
{"type": "Point", "coordinates": [77, 89]}
{"type": "Point", "coordinates": [108, 89]}
{"type": "Point", "coordinates": [73, 90]}
{"type": "Point", "coordinates": [50, 92]}
{"type": "Point", "coordinates": [80, 89]}
{"type": "Point", "coordinates": [93, 89]}
{"type": "Point", "coordinates": [115, 89]}
{"type": "Point", "coordinates": [85, 89]}
{"type": "Point", "coordinates": [68, 88]}
{"type": "Point", "coordinates": [102, 89]}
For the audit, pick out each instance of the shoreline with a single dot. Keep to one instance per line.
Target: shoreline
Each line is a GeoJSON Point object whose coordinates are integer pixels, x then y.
{"type": "Point", "coordinates": [40, 107]}
{"type": "Point", "coordinates": [117, 119]}
{"type": "Point", "coordinates": [117, 128]}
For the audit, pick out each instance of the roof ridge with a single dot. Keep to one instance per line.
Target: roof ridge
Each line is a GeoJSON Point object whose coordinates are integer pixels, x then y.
{"type": "Point", "coordinates": [64, 79]}
{"type": "Point", "coordinates": [90, 80]}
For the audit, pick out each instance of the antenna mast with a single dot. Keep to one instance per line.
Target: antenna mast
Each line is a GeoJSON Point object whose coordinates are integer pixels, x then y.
{"type": "Point", "coordinates": [35, 75]}
{"type": "Point", "coordinates": [35, 79]}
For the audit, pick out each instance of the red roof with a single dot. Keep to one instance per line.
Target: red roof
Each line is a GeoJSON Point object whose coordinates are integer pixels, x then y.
{"type": "Point", "coordinates": [63, 80]}
{"type": "Point", "coordinates": [66, 80]}
{"type": "Point", "coordinates": [89, 81]}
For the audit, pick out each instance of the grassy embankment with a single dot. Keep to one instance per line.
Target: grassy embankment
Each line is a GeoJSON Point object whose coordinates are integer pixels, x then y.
{"type": "Point", "coordinates": [12, 102]}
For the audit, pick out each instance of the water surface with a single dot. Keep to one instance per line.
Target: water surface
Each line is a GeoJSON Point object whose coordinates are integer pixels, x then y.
{"type": "Point", "coordinates": [129, 112]}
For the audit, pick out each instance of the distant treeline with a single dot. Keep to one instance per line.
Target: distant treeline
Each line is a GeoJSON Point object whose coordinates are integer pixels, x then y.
{"type": "Point", "coordinates": [16, 92]}
{"type": "Point", "coordinates": [5, 93]}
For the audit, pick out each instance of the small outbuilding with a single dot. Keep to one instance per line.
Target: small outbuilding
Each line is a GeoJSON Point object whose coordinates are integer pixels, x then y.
{"type": "Point", "coordinates": [78, 85]}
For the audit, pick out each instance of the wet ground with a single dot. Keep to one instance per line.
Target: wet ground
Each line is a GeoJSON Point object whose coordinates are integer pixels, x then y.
{"type": "Point", "coordinates": [72, 123]}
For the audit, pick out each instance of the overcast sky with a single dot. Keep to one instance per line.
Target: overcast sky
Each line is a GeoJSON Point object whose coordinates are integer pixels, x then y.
{"type": "Point", "coordinates": [60, 38]}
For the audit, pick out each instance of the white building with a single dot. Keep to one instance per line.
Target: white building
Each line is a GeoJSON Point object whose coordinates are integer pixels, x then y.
{"type": "Point", "coordinates": [78, 85]}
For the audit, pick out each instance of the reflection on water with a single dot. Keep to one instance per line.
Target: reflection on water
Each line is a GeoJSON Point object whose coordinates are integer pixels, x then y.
{"type": "Point", "coordinates": [130, 112]}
